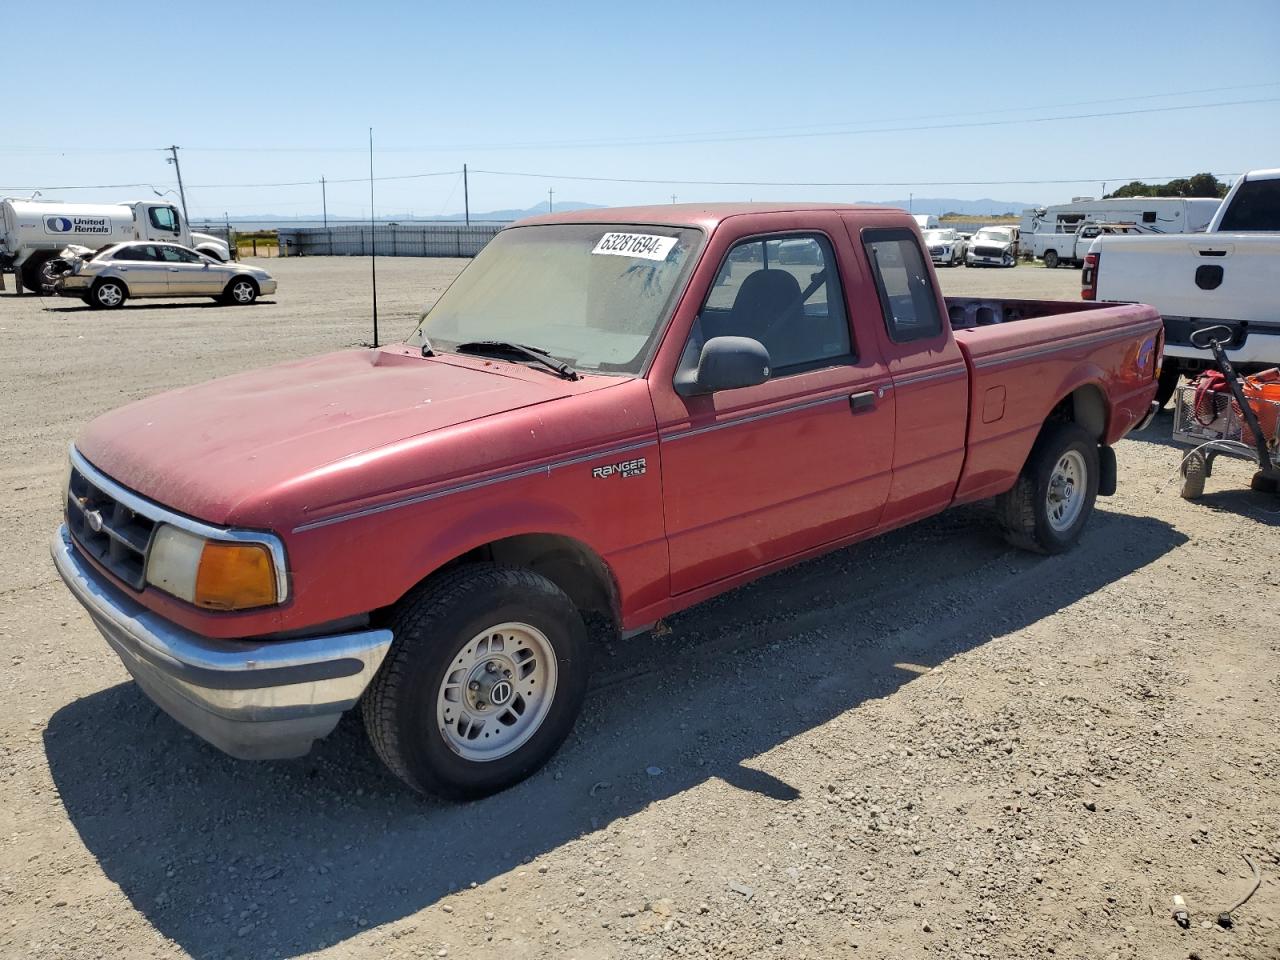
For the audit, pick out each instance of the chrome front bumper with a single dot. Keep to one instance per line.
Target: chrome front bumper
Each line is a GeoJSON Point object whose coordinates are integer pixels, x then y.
{"type": "Point", "coordinates": [264, 699]}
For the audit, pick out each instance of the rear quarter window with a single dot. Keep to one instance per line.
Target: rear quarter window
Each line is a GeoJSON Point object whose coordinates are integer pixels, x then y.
{"type": "Point", "coordinates": [903, 284]}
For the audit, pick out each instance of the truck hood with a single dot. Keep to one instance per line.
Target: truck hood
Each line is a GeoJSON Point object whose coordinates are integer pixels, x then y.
{"type": "Point", "coordinates": [205, 449]}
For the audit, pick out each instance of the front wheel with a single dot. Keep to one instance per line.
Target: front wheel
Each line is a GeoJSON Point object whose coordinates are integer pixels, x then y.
{"type": "Point", "coordinates": [1049, 505]}
{"type": "Point", "coordinates": [483, 683]}
{"type": "Point", "coordinates": [240, 292]}
{"type": "Point", "coordinates": [1051, 258]}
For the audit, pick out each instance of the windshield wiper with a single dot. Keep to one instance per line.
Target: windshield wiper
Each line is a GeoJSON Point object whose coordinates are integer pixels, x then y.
{"type": "Point", "coordinates": [499, 347]}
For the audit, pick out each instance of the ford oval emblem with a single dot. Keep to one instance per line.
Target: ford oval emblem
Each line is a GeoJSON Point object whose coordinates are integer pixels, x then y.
{"type": "Point", "coordinates": [94, 519]}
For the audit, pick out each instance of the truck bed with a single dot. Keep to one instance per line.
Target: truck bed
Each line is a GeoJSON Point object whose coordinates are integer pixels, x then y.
{"type": "Point", "coordinates": [1027, 356]}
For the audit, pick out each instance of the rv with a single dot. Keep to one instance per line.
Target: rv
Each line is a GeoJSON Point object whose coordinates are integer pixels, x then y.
{"type": "Point", "coordinates": [1150, 214]}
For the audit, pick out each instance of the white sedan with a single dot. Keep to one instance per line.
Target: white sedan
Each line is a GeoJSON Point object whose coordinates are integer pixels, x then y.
{"type": "Point", "coordinates": [145, 268]}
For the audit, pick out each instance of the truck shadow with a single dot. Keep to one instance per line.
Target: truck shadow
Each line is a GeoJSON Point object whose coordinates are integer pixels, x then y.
{"type": "Point", "coordinates": [273, 860]}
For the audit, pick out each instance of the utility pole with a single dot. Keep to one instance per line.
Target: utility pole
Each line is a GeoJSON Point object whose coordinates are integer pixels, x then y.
{"type": "Point", "coordinates": [911, 203]}
{"type": "Point", "coordinates": [466, 197]}
{"type": "Point", "coordinates": [181, 193]}
{"type": "Point", "coordinates": [324, 203]}
{"type": "Point", "coordinates": [551, 193]}
{"type": "Point", "coordinates": [373, 249]}
{"type": "Point", "coordinates": [673, 198]}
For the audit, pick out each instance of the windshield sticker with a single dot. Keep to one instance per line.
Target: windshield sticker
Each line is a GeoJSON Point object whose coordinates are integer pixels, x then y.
{"type": "Point", "coordinates": [643, 245]}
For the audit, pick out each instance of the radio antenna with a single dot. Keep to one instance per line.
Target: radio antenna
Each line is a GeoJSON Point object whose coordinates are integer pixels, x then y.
{"type": "Point", "coordinates": [373, 248]}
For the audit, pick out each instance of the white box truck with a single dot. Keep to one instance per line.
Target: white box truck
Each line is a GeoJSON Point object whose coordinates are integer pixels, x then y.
{"type": "Point", "coordinates": [1224, 276]}
{"type": "Point", "coordinates": [33, 231]}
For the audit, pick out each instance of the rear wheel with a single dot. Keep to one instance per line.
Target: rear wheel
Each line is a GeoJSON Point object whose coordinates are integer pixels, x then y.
{"type": "Point", "coordinates": [30, 274]}
{"type": "Point", "coordinates": [483, 683]}
{"type": "Point", "coordinates": [107, 294]}
{"type": "Point", "coordinates": [1051, 258]}
{"type": "Point", "coordinates": [1049, 505]}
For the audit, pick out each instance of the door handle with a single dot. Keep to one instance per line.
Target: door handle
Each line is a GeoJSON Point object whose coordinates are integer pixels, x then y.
{"type": "Point", "coordinates": [862, 402]}
{"type": "Point", "coordinates": [174, 270]}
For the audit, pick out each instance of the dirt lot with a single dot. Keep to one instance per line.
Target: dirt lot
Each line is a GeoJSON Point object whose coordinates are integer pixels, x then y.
{"type": "Point", "coordinates": [930, 745]}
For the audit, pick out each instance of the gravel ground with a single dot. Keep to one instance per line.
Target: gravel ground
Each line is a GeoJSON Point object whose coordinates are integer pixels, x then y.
{"type": "Point", "coordinates": [928, 745]}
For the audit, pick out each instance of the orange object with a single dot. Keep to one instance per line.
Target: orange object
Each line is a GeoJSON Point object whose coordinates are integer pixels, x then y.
{"type": "Point", "coordinates": [235, 576]}
{"type": "Point", "coordinates": [1262, 390]}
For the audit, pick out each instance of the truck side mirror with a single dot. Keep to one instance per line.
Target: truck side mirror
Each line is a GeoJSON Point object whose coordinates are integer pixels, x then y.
{"type": "Point", "coordinates": [726, 363]}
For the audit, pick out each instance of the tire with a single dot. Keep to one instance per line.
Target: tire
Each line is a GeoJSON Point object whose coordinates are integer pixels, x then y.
{"type": "Point", "coordinates": [240, 292]}
{"type": "Point", "coordinates": [1263, 484]}
{"type": "Point", "coordinates": [1010, 260]}
{"type": "Point", "coordinates": [1194, 471]}
{"type": "Point", "coordinates": [107, 294]}
{"type": "Point", "coordinates": [447, 632]}
{"type": "Point", "coordinates": [1038, 514]}
{"type": "Point", "coordinates": [30, 273]}
{"type": "Point", "coordinates": [1169, 377]}
{"type": "Point", "coordinates": [1051, 259]}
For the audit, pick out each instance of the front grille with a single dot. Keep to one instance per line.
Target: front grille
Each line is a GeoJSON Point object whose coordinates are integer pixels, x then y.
{"type": "Point", "coordinates": [935, 251]}
{"type": "Point", "coordinates": [107, 530]}
{"type": "Point", "coordinates": [988, 251]}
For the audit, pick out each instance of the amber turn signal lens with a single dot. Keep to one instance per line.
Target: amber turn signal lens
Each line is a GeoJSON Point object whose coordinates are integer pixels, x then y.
{"type": "Point", "coordinates": [235, 576]}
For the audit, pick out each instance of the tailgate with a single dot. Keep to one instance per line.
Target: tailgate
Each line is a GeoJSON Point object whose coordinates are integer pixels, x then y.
{"type": "Point", "coordinates": [1226, 276]}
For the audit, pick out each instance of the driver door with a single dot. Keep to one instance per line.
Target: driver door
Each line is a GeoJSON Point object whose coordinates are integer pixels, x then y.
{"type": "Point", "coordinates": [190, 275]}
{"type": "Point", "coordinates": [757, 474]}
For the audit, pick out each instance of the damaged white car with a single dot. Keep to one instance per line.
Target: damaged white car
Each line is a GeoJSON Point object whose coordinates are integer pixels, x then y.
{"type": "Point", "coordinates": [107, 278]}
{"type": "Point", "coordinates": [993, 247]}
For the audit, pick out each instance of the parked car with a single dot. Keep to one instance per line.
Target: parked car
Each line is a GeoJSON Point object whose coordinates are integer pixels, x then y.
{"type": "Point", "coordinates": [114, 274]}
{"type": "Point", "coordinates": [946, 248]}
{"type": "Point", "coordinates": [603, 420]}
{"type": "Point", "coordinates": [993, 247]}
{"type": "Point", "coordinates": [1225, 276]}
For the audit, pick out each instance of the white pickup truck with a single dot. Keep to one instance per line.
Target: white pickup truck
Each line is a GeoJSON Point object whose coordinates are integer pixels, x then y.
{"type": "Point", "coordinates": [1225, 276]}
{"type": "Point", "coordinates": [33, 232]}
{"type": "Point", "coordinates": [1056, 249]}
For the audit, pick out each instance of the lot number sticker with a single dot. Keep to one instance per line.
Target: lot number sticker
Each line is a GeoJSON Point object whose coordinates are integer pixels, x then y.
{"type": "Point", "coordinates": [643, 245]}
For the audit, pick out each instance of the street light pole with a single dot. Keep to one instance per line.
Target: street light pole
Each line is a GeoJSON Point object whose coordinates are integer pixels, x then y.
{"type": "Point", "coordinates": [181, 192]}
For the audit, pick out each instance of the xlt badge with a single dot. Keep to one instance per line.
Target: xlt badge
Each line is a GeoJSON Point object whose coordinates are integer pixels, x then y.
{"type": "Point", "coordinates": [627, 468]}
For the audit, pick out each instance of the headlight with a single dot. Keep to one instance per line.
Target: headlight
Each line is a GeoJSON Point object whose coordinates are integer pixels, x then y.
{"type": "Point", "coordinates": [214, 574]}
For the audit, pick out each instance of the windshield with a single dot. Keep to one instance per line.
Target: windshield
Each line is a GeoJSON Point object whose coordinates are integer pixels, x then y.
{"type": "Point", "coordinates": [939, 236]}
{"type": "Point", "coordinates": [993, 233]}
{"type": "Point", "coordinates": [593, 295]}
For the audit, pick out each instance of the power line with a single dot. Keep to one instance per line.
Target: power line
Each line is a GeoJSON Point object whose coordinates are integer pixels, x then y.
{"type": "Point", "coordinates": [231, 186]}
{"type": "Point", "coordinates": [913, 129]}
{"type": "Point", "coordinates": [813, 130]}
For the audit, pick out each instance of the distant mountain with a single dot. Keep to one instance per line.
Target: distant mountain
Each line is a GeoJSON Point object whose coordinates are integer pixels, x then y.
{"type": "Point", "coordinates": [973, 208]}
{"type": "Point", "coordinates": [561, 206]}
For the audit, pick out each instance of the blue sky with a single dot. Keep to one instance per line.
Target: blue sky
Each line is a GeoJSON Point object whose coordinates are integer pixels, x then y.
{"type": "Point", "coordinates": [279, 91]}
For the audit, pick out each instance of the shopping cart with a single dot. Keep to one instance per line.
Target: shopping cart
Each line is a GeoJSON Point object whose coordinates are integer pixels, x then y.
{"type": "Point", "coordinates": [1230, 423]}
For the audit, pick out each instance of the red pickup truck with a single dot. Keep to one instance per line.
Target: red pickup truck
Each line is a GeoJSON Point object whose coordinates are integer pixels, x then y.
{"type": "Point", "coordinates": [611, 415]}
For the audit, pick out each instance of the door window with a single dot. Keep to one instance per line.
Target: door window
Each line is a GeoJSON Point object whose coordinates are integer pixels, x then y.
{"type": "Point", "coordinates": [164, 218]}
{"type": "Point", "coordinates": [902, 281]}
{"type": "Point", "coordinates": [179, 255]}
{"type": "Point", "coordinates": [785, 293]}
